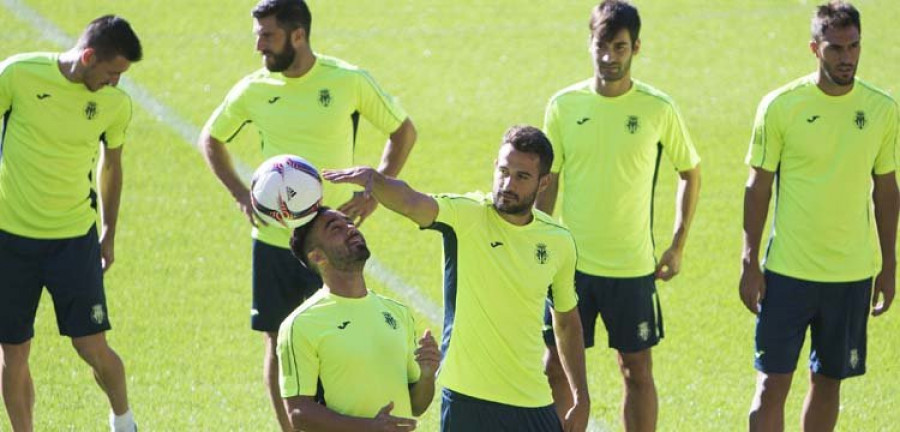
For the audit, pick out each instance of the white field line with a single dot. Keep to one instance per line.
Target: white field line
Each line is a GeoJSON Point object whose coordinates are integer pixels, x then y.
{"type": "Point", "coordinates": [189, 133]}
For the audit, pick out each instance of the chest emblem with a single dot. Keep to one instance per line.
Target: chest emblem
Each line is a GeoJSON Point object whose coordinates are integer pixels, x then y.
{"type": "Point", "coordinates": [860, 119]}
{"type": "Point", "coordinates": [541, 255]}
{"type": "Point", "coordinates": [632, 124]}
{"type": "Point", "coordinates": [90, 110]}
{"type": "Point", "coordinates": [324, 97]}
{"type": "Point", "coordinates": [389, 320]}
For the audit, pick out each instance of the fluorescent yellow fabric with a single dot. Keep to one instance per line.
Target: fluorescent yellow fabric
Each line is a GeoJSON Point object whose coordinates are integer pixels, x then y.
{"type": "Point", "coordinates": [825, 150]}
{"type": "Point", "coordinates": [607, 151]}
{"type": "Point", "coordinates": [51, 145]}
{"type": "Point", "coordinates": [309, 116]}
{"type": "Point", "coordinates": [361, 349]}
{"type": "Point", "coordinates": [495, 286]}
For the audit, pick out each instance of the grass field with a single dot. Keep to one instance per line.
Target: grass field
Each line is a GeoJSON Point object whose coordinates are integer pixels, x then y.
{"type": "Point", "coordinates": [179, 293]}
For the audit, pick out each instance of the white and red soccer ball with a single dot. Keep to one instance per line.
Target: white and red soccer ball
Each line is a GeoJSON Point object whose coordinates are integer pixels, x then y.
{"type": "Point", "coordinates": [286, 190]}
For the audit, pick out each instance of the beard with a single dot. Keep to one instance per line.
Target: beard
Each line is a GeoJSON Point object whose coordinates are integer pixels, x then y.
{"type": "Point", "coordinates": [834, 74]}
{"type": "Point", "coordinates": [613, 74]}
{"type": "Point", "coordinates": [280, 62]}
{"type": "Point", "coordinates": [513, 204]}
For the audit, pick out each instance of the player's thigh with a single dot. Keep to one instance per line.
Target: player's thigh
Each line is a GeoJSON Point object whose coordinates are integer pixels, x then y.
{"type": "Point", "coordinates": [280, 284]}
{"type": "Point", "coordinates": [838, 331]}
{"type": "Point", "coordinates": [631, 312]}
{"type": "Point", "coordinates": [785, 313]}
{"type": "Point", "coordinates": [20, 286]}
{"type": "Point", "coordinates": [74, 278]}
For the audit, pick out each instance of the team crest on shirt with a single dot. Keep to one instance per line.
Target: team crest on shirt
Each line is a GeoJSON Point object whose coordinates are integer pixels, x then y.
{"type": "Point", "coordinates": [90, 110]}
{"type": "Point", "coordinates": [97, 314]}
{"type": "Point", "coordinates": [854, 358]}
{"type": "Point", "coordinates": [541, 255]}
{"type": "Point", "coordinates": [860, 119]}
{"type": "Point", "coordinates": [389, 320]}
{"type": "Point", "coordinates": [643, 331]}
{"type": "Point", "coordinates": [632, 124]}
{"type": "Point", "coordinates": [324, 97]}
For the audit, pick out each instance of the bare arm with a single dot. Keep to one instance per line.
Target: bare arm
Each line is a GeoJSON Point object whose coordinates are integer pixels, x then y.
{"type": "Point", "coordinates": [393, 193]}
{"type": "Point", "coordinates": [570, 345]}
{"type": "Point", "coordinates": [396, 151]}
{"type": "Point", "coordinates": [757, 195]}
{"type": "Point", "coordinates": [546, 199]}
{"type": "Point", "coordinates": [307, 415]}
{"type": "Point", "coordinates": [219, 161]}
{"type": "Point", "coordinates": [428, 356]}
{"type": "Point", "coordinates": [685, 206]}
{"type": "Point", "coordinates": [887, 206]}
{"type": "Point", "coordinates": [111, 179]}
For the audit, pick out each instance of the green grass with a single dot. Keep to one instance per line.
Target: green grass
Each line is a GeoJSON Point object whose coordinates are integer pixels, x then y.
{"type": "Point", "coordinates": [179, 293]}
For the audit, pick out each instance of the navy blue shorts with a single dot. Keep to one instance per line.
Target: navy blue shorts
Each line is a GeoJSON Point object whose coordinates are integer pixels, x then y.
{"type": "Point", "coordinates": [461, 413]}
{"type": "Point", "coordinates": [280, 284]}
{"type": "Point", "coordinates": [69, 268]}
{"type": "Point", "coordinates": [629, 308]}
{"type": "Point", "coordinates": [836, 314]}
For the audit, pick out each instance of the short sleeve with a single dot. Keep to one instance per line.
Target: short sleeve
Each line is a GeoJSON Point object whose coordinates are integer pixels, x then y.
{"type": "Point", "coordinates": [767, 141]}
{"type": "Point", "coordinates": [378, 107]}
{"type": "Point", "coordinates": [886, 161]}
{"type": "Point", "coordinates": [114, 137]}
{"type": "Point", "coordinates": [551, 129]}
{"type": "Point", "coordinates": [229, 117]}
{"type": "Point", "coordinates": [676, 141]}
{"type": "Point", "coordinates": [298, 362]}
{"type": "Point", "coordinates": [413, 372]}
{"type": "Point", "coordinates": [460, 211]}
{"type": "Point", "coordinates": [563, 288]}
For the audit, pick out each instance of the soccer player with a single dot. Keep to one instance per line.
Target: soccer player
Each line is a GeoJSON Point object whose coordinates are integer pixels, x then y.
{"type": "Point", "coordinates": [500, 256]}
{"type": "Point", "coordinates": [608, 133]}
{"type": "Point", "coordinates": [307, 104]}
{"type": "Point", "coordinates": [348, 347]}
{"type": "Point", "coordinates": [60, 111]}
{"type": "Point", "coordinates": [828, 141]}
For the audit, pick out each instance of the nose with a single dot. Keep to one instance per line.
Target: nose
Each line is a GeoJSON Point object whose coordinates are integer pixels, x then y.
{"type": "Point", "coordinates": [259, 44]}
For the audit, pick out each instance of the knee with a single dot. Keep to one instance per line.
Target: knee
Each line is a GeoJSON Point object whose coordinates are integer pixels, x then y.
{"type": "Point", "coordinates": [637, 370]}
{"type": "Point", "coordinates": [772, 389]}
{"type": "Point", "coordinates": [92, 352]}
{"type": "Point", "coordinates": [15, 355]}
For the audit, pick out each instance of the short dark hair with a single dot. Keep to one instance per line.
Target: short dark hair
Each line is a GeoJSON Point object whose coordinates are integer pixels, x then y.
{"type": "Point", "coordinates": [301, 240]}
{"type": "Point", "coordinates": [289, 14]}
{"type": "Point", "coordinates": [611, 16]}
{"type": "Point", "coordinates": [110, 36]}
{"type": "Point", "coordinates": [834, 14]}
{"type": "Point", "coordinates": [529, 139]}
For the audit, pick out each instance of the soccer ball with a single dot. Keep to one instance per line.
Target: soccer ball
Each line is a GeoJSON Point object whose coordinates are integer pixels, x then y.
{"type": "Point", "coordinates": [286, 191]}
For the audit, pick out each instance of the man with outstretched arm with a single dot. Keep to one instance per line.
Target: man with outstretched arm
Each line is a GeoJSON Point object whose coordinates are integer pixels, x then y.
{"type": "Point", "coordinates": [500, 256]}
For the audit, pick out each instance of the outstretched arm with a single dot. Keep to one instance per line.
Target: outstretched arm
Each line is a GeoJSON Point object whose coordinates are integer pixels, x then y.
{"type": "Point", "coordinates": [308, 415]}
{"type": "Point", "coordinates": [392, 193]}
{"type": "Point", "coordinates": [887, 206]}
{"type": "Point", "coordinates": [396, 151]}
{"type": "Point", "coordinates": [686, 203]}
{"type": "Point", "coordinates": [757, 195]}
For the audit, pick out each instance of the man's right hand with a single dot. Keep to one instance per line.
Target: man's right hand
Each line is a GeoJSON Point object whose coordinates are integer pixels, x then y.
{"type": "Point", "coordinates": [246, 206]}
{"type": "Point", "coordinates": [752, 287]}
{"type": "Point", "coordinates": [385, 422]}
